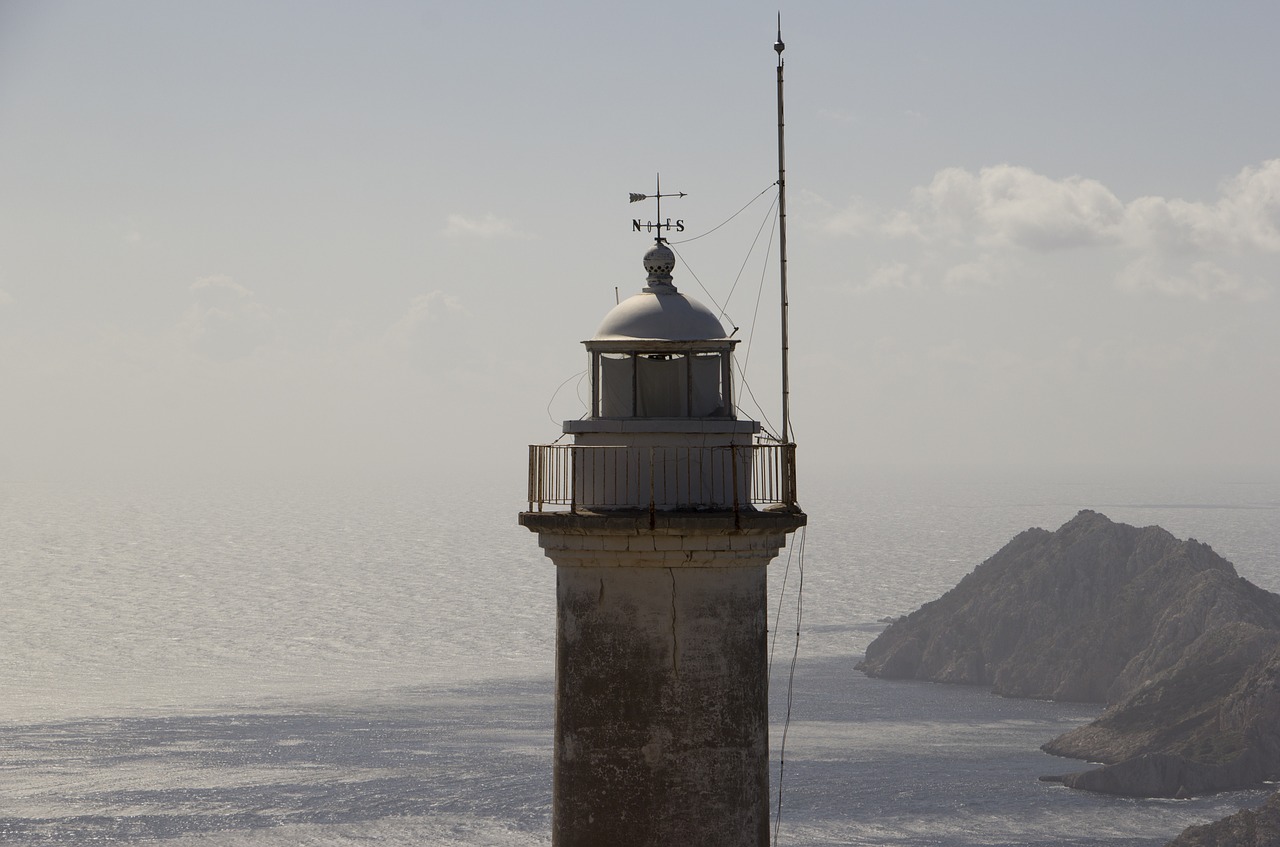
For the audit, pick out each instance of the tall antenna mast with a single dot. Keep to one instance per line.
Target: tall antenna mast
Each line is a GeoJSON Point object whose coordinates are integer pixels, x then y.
{"type": "Point", "coordinates": [778, 46]}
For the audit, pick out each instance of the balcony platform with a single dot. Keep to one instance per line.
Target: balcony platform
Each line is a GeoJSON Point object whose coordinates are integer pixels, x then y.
{"type": "Point", "coordinates": [666, 521]}
{"type": "Point", "coordinates": [696, 426]}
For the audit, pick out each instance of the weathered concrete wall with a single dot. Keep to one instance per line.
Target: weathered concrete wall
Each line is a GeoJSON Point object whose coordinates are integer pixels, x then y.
{"type": "Point", "coordinates": [661, 703]}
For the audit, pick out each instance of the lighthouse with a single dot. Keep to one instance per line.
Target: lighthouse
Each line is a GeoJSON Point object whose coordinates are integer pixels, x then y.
{"type": "Point", "coordinates": [661, 518]}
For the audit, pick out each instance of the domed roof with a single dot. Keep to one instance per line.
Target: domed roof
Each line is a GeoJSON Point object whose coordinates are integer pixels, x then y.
{"type": "Point", "coordinates": [666, 316]}
{"type": "Point", "coordinates": [659, 312]}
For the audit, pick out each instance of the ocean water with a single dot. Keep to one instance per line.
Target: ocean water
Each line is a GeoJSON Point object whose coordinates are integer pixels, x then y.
{"type": "Point", "coordinates": [348, 662]}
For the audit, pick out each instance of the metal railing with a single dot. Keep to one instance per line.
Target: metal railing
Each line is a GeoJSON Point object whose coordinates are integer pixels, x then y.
{"type": "Point", "coordinates": [607, 477]}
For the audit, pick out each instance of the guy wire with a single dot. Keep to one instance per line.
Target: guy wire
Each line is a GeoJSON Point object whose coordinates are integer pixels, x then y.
{"type": "Point", "coordinates": [791, 682]}
{"type": "Point", "coordinates": [731, 217]}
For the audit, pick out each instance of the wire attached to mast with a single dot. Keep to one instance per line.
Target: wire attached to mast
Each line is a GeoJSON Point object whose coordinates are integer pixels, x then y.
{"type": "Point", "coordinates": [726, 220]}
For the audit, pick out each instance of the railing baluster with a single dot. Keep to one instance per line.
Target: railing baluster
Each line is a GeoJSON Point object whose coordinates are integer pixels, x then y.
{"type": "Point", "coordinates": [733, 474]}
{"type": "Point", "coordinates": [775, 472]}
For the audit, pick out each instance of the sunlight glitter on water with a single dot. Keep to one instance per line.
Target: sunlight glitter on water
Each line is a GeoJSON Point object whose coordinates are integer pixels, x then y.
{"type": "Point", "coordinates": [263, 665]}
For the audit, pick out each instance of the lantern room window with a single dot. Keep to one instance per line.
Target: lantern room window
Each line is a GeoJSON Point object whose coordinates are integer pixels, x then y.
{"type": "Point", "coordinates": [661, 384]}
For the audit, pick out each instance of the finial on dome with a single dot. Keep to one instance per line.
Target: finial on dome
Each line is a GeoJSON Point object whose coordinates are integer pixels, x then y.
{"type": "Point", "coordinates": [659, 261]}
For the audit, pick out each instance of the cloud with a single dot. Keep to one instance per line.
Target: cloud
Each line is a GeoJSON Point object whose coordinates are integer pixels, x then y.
{"type": "Point", "coordinates": [853, 219]}
{"type": "Point", "coordinates": [1246, 218]}
{"type": "Point", "coordinates": [487, 226]}
{"type": "Point", "coordinates": [986, 271]}
{"type": "Point", "coordinates": [1170, 246]}
{"type": "Point", "coordinates": [1011, 205]}
{"type": "Point", "coordinates": [225, 321]}
{"type": "Point", "coordinates": [1201, 280]}
{"type": "Point", "coordinates": [5, 297]}
{"type": "Point", "coordinates": [892, 275]}
{"type": "Point", "coordinates": [221, 283]}
{"type": "Point", "coordinates": [437, 307]}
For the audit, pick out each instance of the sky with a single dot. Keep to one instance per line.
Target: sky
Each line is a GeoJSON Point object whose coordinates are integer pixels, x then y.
{"type": "Point", "coordinates": [294, 237]}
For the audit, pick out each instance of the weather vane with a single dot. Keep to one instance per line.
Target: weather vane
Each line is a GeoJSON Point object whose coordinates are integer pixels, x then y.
{"type": "Point", "coordinates": [658, 224]}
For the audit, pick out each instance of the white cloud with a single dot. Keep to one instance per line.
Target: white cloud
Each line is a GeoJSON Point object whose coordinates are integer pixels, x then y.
{"type": "Point", "coordinates": [225, 321]}
{"type": "Point", "coordinates": [891, 275]}
{"type": "Point", "coordinates": [1245, 218]}
{"type": "Point", "coordinates": [1200, 280]}
{"type": "Point", "coordinates": [488, 225]}
{"type": "Point", "coordinates": [900, 224]}
{"type": "Point", "coordinates": [984, 272]}
{"type": "Point", "coordinates": [220, 282]}
{"type": "Point", "coordinates": [1170, 246]}
{"type": "Point", "coordinates": [852, 220]}
{"type": "Point", "coordinates": [436, 308]}
{"type": "Point", "coordinates": [1011, 205]}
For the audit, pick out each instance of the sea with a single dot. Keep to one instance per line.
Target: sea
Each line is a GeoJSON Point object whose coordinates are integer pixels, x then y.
{"type": "Point", "coordinates": [251, 662]}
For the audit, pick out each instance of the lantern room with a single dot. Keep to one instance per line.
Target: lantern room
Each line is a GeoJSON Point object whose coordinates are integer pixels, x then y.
{"type": "Point", "coordinates": [661, 354]}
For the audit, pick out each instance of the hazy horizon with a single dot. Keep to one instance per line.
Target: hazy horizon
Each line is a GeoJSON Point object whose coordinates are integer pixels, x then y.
{"type": "Point", "coordinates": [296, 238]}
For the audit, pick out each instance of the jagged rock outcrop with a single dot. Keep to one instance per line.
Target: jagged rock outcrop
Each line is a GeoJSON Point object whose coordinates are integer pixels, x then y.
{"type": "Point", "coordinates": [1258, 827]}
{"type": "Point", "coordinates": [1186, 651]}
{"type": "Point", "coordinates": [1209, 723]}
{"type": "Point", "coordinates": [1087, 613]}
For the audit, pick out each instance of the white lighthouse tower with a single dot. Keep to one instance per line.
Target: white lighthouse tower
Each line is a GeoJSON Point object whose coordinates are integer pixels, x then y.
{"type": "Point", "coordinates": [661, 518]}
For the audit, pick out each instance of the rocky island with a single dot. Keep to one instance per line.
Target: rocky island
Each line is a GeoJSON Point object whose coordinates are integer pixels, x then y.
{"type": "Point", "coordinates": [1184, 653]}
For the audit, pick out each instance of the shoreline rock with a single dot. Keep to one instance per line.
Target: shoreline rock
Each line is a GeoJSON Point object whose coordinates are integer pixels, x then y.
{"type": "Point", "coordinates": [1258, 827]}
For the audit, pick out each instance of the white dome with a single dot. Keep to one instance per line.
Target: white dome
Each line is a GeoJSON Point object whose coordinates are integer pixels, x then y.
{"type": "Point", "coordinates": [660, 312]}
{"type": "Point", "coordinates": [665, 316]}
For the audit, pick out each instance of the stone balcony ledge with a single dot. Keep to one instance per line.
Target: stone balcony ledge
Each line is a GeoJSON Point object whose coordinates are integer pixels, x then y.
{"type": "Point", "coordinates": [666, 522]}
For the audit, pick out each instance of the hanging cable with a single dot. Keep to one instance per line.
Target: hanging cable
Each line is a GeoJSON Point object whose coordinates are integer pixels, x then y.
{"type": "Point", "coordinates": [695, 278]}
{"type": "Point", "coordinates": [578, 376]}
{"type": "Point", "coordinates": [768, 425]}
{"type": "Point", "coordinates": [724, 309]}
{"type": "Point", "coordinates": [759, 292]}
{"type": "Point", "coordinates": [731, 217]}
{"type": "Point", "coordinates": [777, 616]}
{"type": "Point", "coordinates": [750, 250]}
{"type": "Point", "coordinates": [791, 683]}
{"type": "Point", "coordinates": [577, 390]}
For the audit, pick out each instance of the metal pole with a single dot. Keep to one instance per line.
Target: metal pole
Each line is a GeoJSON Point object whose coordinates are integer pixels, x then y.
{"type": "Point", "coordinates": [782, 245]}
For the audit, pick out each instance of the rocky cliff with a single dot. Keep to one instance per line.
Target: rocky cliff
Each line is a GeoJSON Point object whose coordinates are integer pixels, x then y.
{"type": "Point", "coordinates": [1209, 723]}
{"type": "Point", "coordinates": [1186, 652]}
{"type": "Point", "coordinates": [1248, 828]}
